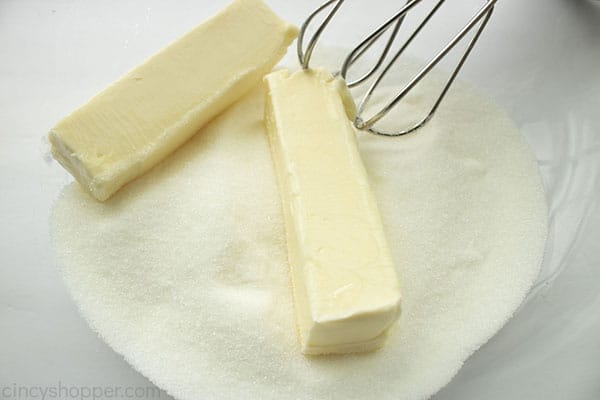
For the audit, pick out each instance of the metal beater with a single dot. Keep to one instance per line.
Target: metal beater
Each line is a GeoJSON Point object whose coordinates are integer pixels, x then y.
{"type": "Point", "coordinates": [478, 22]}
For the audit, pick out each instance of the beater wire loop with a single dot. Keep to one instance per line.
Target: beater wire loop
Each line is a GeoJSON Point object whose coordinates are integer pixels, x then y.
{"type": "Point", "coordinates": [304, 55]}
{"type": "Point", "coordinates": [378, 71]}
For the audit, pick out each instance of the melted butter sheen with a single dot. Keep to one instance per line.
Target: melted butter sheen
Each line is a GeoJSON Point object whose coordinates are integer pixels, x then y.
{"type": "Point", "coordinates": [345, 287]}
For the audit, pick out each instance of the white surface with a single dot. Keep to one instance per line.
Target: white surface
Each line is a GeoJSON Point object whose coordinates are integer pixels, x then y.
{"type": "Point", "coordinates": [197, 298]}
{"type": "Point", "coordinates": [539, 59]}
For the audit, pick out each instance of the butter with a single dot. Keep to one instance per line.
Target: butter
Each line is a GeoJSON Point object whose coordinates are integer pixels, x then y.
{"type": "Point", "coordinates": [137, 121]}
{"type": "Point", "coordinates": [344, 282]}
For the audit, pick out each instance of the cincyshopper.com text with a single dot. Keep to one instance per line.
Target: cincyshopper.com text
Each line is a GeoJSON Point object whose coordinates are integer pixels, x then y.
{"type": "Point", "coordinates": [74, 392]}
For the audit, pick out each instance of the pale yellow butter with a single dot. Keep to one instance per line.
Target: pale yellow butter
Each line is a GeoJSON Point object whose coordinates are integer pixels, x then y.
{"type": "Point", "coordinates": [345, 286]}
{"type": "Point", "coordinates": [137, 121]}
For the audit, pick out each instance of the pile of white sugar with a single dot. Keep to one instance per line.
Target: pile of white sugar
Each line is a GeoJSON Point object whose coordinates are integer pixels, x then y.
{"type": "Point", "coordinates": [184, 271]}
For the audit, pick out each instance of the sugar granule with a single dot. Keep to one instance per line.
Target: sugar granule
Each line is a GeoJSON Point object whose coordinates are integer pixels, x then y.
{"type": "Point", "coordinates": [184, 271]}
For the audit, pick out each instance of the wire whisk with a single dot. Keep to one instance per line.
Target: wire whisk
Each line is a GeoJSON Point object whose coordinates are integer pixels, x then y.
{"type": "Point", "coordinates": [385, 61]}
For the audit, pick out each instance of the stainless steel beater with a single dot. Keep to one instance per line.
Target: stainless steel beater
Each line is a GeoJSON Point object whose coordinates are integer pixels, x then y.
{"type": "Point", "coordinates": [477, 22]}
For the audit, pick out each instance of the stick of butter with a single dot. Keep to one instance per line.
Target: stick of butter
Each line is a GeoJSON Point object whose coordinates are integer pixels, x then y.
{"type": "Point", "coordinates": [345, 287]}
{"type": "Point", "coordinates": [137, 121]}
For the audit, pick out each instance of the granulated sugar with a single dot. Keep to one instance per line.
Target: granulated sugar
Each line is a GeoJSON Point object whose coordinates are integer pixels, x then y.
{"type": "Point", "coordinates": [184, 271]}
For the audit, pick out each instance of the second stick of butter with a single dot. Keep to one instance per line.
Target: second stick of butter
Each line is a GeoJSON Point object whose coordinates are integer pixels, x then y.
{"type": "Point", "coordinates": [345, 286]}
{"type": "Point", "coordinates": [139, 120]}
